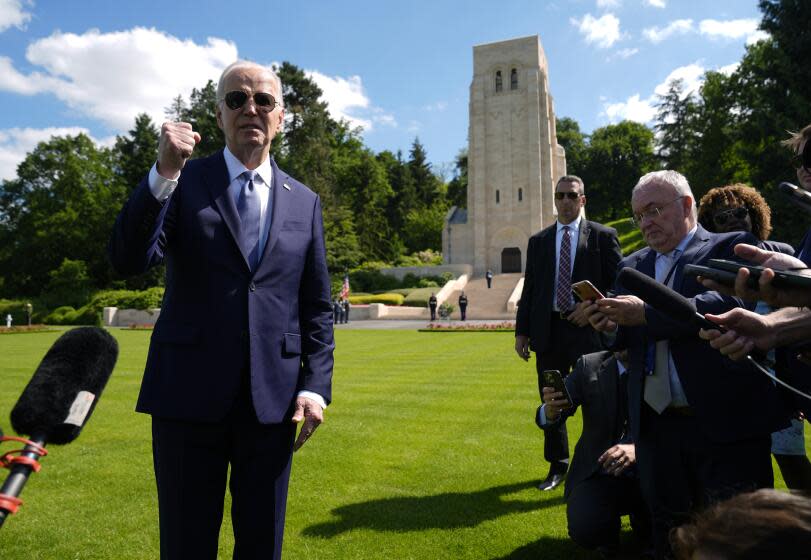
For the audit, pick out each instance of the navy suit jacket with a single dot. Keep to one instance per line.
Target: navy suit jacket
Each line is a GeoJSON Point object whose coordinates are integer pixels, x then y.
{"type": "Point", "coordinates": [218, 318]}
{"type": "Point", "coordinates": [596, 258]}
{"type": "Point", "coordinates": [732, 401]}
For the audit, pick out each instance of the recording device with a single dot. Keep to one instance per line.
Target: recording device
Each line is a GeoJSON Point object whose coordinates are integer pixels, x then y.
{"type": "Point", "coordinates": [585, 290]}
{"type": "Point", "coordinates": [800, 196]}
{"type": "Point", "coordinates": [553, 378]}
{"type": "Point", "coordinates": [57, 402]}
{"type": "Point", "coordinates": [724, 272]}
{"type": "Point", "coordinates": [680, 309]}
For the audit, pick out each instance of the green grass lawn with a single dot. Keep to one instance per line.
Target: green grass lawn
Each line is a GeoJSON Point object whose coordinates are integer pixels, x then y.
{"type": "Point", "coordinates": [429, 451]}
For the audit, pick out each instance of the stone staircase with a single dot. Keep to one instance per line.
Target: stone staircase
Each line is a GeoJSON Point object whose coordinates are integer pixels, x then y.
{"type": "Point", "coordinates": [487, 304]}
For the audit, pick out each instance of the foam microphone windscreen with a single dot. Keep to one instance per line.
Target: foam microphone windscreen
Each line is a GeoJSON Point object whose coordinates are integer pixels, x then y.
{"type": "Point", "coordinates": [66, 386]}
{"type": "Point", "coordinates": [657, 295]}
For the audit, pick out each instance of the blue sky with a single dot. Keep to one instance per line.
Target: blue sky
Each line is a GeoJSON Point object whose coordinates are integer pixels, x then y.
{"type": "Point", "coordinates": [398, 69]}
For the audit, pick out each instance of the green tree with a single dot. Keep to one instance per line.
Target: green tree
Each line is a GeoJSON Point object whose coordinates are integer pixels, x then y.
{"type": "Point", "coordinates": [137, 153]}
{"type": "Point", "coordinates": [68, 285]}
{"type": "Point", "coordinates": [61, 205]}
{"type": "Point", "coordinates": [618, 155]}
{"type": "Point", "coordinates": [674, 119]}
{"type": "Point", "coordinates": [457, 187]}
{"type": "Point", "coordinates": [202, 114]}
{"type": "Point", "coordinates": [575, 144]}
{"type": "Point", "coordinates": [426, 184]}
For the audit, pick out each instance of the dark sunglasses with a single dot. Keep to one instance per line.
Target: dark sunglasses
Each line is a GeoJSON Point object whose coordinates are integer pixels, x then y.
{"type": "Point", "coordinates": [721, 218]}
{"type": "Point", "coordinates": [803, 159]}
{"type": "Point", "coordinates": [569, 195]}
{"type": "Point", "coordinates": [236, 99]}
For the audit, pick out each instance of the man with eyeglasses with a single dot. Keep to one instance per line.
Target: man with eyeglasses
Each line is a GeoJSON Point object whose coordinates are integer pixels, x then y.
{"type": "Point", "coordinates": [547, 321]}
{"type": "Point", "coordinates": [243, 348]}
{"type": "Point", "coordinates": [701, 423]}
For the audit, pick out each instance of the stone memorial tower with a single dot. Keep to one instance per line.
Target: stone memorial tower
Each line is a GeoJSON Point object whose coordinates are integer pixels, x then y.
{"type": "Point", "coordinates": [513, 159]}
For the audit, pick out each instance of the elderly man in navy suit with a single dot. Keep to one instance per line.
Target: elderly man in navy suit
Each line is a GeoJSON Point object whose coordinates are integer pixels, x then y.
{"type": "Point", "coordinates": [243, 348]}
{"type": "Point", "coordinates": [693, 444]}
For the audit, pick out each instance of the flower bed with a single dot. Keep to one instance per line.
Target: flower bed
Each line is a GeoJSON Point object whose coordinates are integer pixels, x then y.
{"type": "Point", "coordinates": [24, 329]}
{"type": "Point", "coordinates": [504, 326]}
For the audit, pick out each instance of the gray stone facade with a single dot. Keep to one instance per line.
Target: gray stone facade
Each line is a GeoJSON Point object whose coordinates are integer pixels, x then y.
{"type": "Point", "coordinates": [513, 159]}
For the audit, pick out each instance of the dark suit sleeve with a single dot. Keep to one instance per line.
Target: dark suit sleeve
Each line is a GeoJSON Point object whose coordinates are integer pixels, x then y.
{"type": "Point", "coordinates": [315, 312]}
{"type": "Point", "coordinates": [522, 317]}
{"type": "Point", "coordinates": [142, 231]}
{"type": "Point", "coordinates": [574, 385]}
{"type": "Point", "coordinates": [611, 255]}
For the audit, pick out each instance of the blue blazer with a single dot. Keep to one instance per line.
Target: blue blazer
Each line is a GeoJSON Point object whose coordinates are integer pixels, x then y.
{"type": "Point", "coordinates": [218, 318]}
{"type": "Point", "coordinates": [732, 401]}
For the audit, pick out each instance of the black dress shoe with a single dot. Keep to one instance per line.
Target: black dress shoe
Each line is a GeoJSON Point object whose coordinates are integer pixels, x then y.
{"type": "Point", "coordinates": [552, 481]}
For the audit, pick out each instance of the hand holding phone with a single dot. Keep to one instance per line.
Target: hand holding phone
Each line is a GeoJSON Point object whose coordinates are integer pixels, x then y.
{"type": "Point", "coordinates": [555, 395]}
{"type": "Point", "coordinates": [585, 290]}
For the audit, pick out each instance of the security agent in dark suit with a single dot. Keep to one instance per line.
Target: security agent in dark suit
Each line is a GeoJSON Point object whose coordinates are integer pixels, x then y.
{"type": "Point", "coordinates": [602, 484]}
{"type": "Point", "coordinates": [547, 321]}
{"type": "Point", "coordinates": [693, 444]}
{"type": "Point", "coordinates": [243, 348]}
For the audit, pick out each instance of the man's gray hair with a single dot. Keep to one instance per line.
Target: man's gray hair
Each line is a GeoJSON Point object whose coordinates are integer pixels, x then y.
{"type": "Point", "coordinates": [243, 64]}
{"type": "Point", "coordinates": [572, 179]}
{"type": "Point", "coordinates": [672, 178]}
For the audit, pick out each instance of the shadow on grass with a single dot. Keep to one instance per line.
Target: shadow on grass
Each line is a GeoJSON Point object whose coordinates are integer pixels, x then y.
{"type": "Point", "coordinates": [550, 548]}
{"type": "Point", "coordinates": [440, 511]}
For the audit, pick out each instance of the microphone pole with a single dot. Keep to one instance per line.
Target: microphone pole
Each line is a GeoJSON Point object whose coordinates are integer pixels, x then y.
{"type": "Point", "coordinates": [21, 468]}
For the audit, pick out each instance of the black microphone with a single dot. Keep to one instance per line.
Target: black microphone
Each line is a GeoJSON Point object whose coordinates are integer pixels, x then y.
{"type": "Point", "coordinates": [800, 196]}
{"type": "Point", "coordinates": [58, 401]}
{"type": "Point", "coordinates": [663, 299]}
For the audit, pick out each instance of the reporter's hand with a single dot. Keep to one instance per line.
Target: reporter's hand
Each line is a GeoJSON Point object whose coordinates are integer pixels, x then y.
{"type": "Point", "coordinates": [623, 310]}
{"type": "Point", "coordinates": [176, 144]}
{"type": "Point", "coordinates": [555, 401]}
{"type": "Point", "coordinates": [313, 416]}
{"type": "Point", "coordinates": [615, 460]}
{"type": "Point", "coordinates": [598, 320]}
{"type": "Point", "coordinates": [578, 316]}
{"type": "Point", "coordinates": [745, 331]}
{"type": "Point", "coordinates": [522, 346]}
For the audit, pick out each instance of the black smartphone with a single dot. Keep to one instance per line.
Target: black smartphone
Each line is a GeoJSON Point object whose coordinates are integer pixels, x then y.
{"type": "Point", "coordinates": [782, 278]}
{"type": "Point", "coordinates": [553, 378]}
{"type": "Point", "coordinates": [723, 277]}
{"type": "Point", "coordinates": [585, 290]}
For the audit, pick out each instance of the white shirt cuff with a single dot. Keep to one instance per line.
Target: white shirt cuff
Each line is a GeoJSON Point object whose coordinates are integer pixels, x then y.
{"type": "Point", "coordinates": [314, 397]}
{"type": "Point", "coordinates": [160, 187]}
{"type": "Point", "coordinates": [542, 415]}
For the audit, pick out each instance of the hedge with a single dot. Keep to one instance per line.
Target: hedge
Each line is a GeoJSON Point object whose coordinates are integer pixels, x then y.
{"type": "Point", "coordinates": [386, 299]}
{"type": "Point", "coordinates": [419, 297]}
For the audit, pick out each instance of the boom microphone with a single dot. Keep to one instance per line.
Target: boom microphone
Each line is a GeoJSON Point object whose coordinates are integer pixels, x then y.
{"type": "Point", "coordinates": [800, 196]}
{"type": "Point", "coordinates": [662, 298]}
{"type": "Point", "coordinates": [57, 402]}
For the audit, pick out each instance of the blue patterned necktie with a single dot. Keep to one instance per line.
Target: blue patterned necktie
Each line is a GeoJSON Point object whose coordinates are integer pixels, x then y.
{"type": "Point", "coordinates": [564, 291]}
{"type": "Point", "coordinates": [248, 206]}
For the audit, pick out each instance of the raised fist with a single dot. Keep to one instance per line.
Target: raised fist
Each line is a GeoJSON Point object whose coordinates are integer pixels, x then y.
{"type": "Point", "coordinates": [176, 145]}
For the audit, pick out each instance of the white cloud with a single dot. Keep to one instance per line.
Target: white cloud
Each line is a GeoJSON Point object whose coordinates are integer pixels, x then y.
{"type": "Point", "coordinates": [732, 29]}
{"type": "Point", "coordinates": [603, 31]}
{"type": "Point", "coordinates": [606, 4]}
{"type": "Point", "coordinates": [12, 14]}
{"type": "Point", "coordinates": [655, 3]}
{"type": "Point", "coordinates": [676, 27]}
{"type": "Point", "coordinates": [632, 109]}
{"type": "Point", "coordinates": [439, 106]}
{"type": "Point", "coordinates": [729, 68]}
{"type": "Point", "coordinates": [623, 54]}
{"type": "Point", "coordinates": [643, 110]}
{"type": "Point", "coordinates": [343, 96]}
{"type": "Point", "coordinates": [16, 143]}
{"type": "Point", "coordinates": [114, 76]}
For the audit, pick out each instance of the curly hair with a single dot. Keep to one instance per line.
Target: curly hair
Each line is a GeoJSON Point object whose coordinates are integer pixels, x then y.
{"type": "Point", "coordinates": [736, 195]}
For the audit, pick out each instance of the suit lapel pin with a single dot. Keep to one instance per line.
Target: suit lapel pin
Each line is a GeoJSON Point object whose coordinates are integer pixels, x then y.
{"type": "Point", "coordinates": [285, 185]}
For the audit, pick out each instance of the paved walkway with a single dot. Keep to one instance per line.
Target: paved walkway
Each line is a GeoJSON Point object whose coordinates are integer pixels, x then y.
{"type": "Point", "coordinates": [484, 303]}
{"type": "Point", "coordinates": [393, 324]}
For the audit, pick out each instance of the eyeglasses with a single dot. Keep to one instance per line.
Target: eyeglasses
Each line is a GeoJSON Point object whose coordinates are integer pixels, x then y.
{"type": "Point", "coordinates": [721, 218]}
{"type": "Point", "coordinates": [236, 99]}
{"type": "Point", "coordinates": [651, 213]}
{"type": "Point", "coordinates": [570, 195]}
{"type": "Point", "coordinates": [803, 159]}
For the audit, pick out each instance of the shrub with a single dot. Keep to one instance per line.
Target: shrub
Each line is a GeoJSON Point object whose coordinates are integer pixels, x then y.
{"type": "Point", "coordinates": [68, 285]}
{"type": "Point", "coordinates": [15, 308]}
{"type": "Point", "coordinates": [419, 297]}
{"type": "Point", "coordinates": [59, 315]}
{"type": "Point", "coordinates": [127, 299]}
{"type": "Point", "coordinates": [386, 299]}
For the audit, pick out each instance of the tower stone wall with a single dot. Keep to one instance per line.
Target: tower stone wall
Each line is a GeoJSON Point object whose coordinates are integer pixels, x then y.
{"type": "Point", "coordinates": [513, 159]}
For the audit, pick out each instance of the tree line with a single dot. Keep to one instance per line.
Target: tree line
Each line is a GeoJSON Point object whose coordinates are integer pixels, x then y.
{"type": "Point", "coordinates": [56, 215]}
